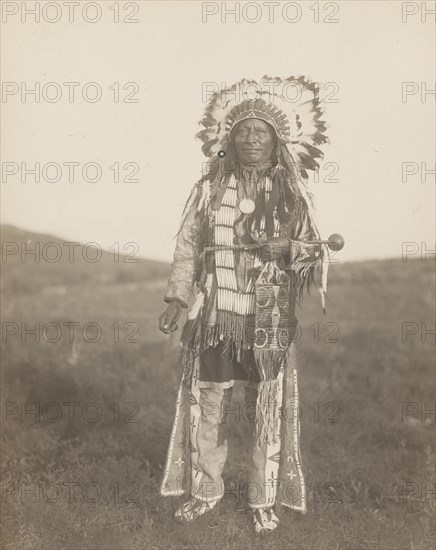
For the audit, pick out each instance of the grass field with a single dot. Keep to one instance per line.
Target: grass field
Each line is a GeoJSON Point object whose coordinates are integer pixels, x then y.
{"type": "Point", "coordinates": [83, 470]}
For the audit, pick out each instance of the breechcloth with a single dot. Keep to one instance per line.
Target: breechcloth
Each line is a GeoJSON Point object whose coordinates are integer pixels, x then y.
{"type": "Point", "coordinates": [221, 366]}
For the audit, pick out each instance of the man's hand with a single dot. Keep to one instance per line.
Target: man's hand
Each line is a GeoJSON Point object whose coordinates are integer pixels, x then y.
{"type": "Point", "coordinates": [168, 319]}
{"type": "Point", "coordinates": [274, 248]}
{"type": "Point", "coordinates": [300, 253]}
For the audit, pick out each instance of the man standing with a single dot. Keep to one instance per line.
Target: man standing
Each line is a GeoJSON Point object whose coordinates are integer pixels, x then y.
{"type": "Point", "coordinates": [245, 243]}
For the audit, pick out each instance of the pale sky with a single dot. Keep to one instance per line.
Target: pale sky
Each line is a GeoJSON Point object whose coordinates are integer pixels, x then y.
{"type": "Point", "coordinates": [170, 53]}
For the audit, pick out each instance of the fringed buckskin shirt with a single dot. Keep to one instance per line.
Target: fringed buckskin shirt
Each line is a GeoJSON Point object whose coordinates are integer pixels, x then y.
{"type": "Point", "coordinates": [277, 213]}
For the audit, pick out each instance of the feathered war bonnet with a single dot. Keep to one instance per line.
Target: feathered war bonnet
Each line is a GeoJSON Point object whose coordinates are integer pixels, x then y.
{"type": "Point", "coordinates": [292, 108]}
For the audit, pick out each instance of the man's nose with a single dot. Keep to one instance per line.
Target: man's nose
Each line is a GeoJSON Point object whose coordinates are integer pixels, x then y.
{"type": "Point", "coordinates": [251, 135]}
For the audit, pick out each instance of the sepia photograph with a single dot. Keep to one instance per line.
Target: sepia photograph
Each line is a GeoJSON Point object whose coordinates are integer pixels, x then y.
{"type": "Point", "coordinates": [218, 240]}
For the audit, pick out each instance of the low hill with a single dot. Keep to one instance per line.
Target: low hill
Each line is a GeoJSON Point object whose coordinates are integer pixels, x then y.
{"type": "Point", "coordinates": [31, 261]}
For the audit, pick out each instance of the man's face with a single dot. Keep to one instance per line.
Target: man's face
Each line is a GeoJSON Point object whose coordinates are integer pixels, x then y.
{"type": "Point", "coordinates": [253, 141]}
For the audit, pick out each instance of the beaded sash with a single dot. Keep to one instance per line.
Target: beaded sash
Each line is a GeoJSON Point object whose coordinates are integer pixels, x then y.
{"type": "Point", "coordinates": [229, 297]}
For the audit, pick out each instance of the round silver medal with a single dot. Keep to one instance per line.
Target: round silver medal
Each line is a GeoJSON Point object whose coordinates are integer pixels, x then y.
{"type": "Point", "coordinates": [247, 206]}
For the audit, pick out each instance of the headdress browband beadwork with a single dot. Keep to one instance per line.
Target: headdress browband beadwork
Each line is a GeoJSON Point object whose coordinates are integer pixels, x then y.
{"type": "Point", "coordinates": [258, 108]}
